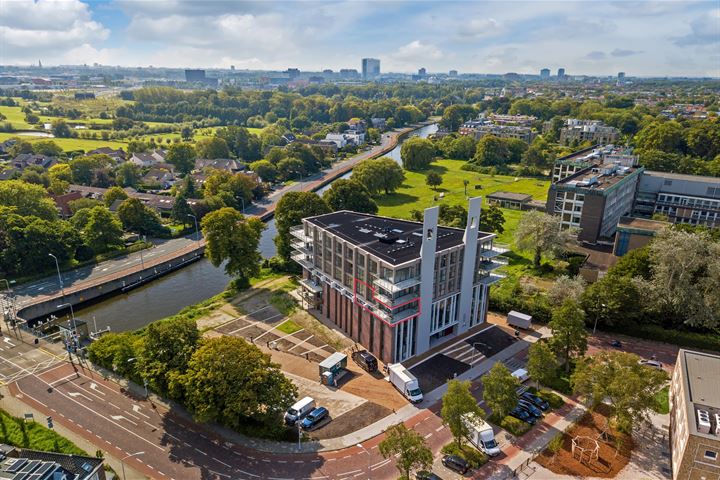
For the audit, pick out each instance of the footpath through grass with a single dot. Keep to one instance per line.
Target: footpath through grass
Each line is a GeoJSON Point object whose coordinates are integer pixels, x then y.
{"type": "Point", "coordinates": [34, 436]}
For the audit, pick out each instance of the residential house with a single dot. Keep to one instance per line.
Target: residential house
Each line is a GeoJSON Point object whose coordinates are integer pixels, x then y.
{"type": "Point", "coordinates": [24, 160]}
{"type": "Point", "coordinates": [117, 155]}
{"type": "Point", "coordinates": [63, 203]}
{"type": "Point", "coordinates": [148, 159]}
{"type": "Point", "coordinates": [22, 464]}
{"type": "Point", "coordinates": [226, 164]}
{"type": "Point", "coordinates": [379, 123]}
{"type": "Point", "coordinates": [160, 177]}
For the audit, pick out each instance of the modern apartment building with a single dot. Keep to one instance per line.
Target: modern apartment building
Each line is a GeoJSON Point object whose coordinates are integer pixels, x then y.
{"type": "Point", "coordinates": [370, 68]}
{"type": "Point", "coordinates": [395, 286]}
{"type": "Point", "coordinates": [695, 417]}
{"type": "Point", "coordinates": [593, 131]}
{"type": "Point", "coordinates": [594, 198]}
{"type": "Point", "coordinates": [485, 126]}
{"type": "Point", "coordinates": [691, 199]}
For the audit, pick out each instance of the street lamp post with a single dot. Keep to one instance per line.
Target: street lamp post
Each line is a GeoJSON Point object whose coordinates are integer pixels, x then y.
{"type": "Point", "coordinates": [74, 324]}
{"type": "Point", "coordinates": [596, 318]}
{"type": "Point", "coordinates": [122, 461]}
{"type": "Point", "coordinates": [359, 445]}
{"type": "Point", "coordinates": [57, 266]}
{"type": "Point", "coordinates": [197, 231]}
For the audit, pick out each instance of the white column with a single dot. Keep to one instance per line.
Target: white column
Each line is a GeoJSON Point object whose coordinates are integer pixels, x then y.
{"type": "Point", "coordinates": [468, 267]}
{"type": "Point", "coordinates": [427, 274]}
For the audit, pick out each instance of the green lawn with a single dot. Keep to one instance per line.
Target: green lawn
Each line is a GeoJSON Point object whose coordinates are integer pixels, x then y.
{"type": "Point", "coordinates": [69, 144]}
{"type": "Point", "coordinates": [414, 194]}
{"type": "Point", "coordinates": [33, 435]}
{"type": "Point", "coordinates": [662, 401]}
{"type": "Point", "coordinates": [289, 327]}
{"type": "Point", "coordinates": [16, 117]}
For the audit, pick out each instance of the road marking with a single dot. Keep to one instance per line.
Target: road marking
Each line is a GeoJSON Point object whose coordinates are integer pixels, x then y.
{"type": "Point", "coordinates": [117, 418]}
{"type": "Point", "coordinates": [94, 386]}
{"type": "Point", "coordinates": [314, 349]}
{"type": "Point", "coordinates": [428, 435]}
{"type": "Point", "coordinates": [298, 344]}
{"type": "Point", "coordinates": [52, 384]}
{"type": "Point", "coordinates": [79, 394]}
{"type": "Point", "coordinates": [154, 427]}
{"type": "Point", "coordinates": [380, 464]}
{"type": "Point", "coordinates": [220, 461]}
{"type": "Point", "coordinates": [136, 409]}
{"type": "Point", "coordinates": [271, 329]}
{"type": "Point", "coordinates": [351, 472]}
{"type": "Point", "coordinates": [440, 428]}
{"type": "Point", "coordinates": [290, 334]}
{"type": "Point", "coordinates": [200, 451]}
{"type": "Point", "coordinates": [245, 473]}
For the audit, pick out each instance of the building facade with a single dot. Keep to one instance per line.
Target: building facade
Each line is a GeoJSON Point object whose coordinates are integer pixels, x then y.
{"type": "Point", "coordinates": [370, 68]}
{"type": "Point", "coordinates": [397, 287]}
{"type": "Point", "coordinates": [593, 199]}
{"type": "Point", "coordinates": [633, 233]}
{"type": "Point", "coordinates": [595, 155]}
{"type": "Point", "coordinates": [691, 199]}
{"type": "Point", "coordinates": [587, 131]}
{"type": "Point", "coordinates": [695, 417]}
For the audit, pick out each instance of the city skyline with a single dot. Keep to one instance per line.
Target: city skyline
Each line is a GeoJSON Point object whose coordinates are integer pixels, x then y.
{"type": "Point", "coordinates": [643, 39]}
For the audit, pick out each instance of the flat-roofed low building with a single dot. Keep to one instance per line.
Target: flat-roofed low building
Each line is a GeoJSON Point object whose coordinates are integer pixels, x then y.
{"type": "Point", "coordinates": [395, 286]}
{"type": "Point", "coordinates": [511, 200]}
{"type": "Point", "coordinates": [633, 233]}
{"type": "Point", "coordinates": [695, 417]}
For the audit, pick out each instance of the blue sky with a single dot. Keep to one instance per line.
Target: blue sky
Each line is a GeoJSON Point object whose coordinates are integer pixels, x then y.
{"type": "Point", "coordinates": [584, 37]}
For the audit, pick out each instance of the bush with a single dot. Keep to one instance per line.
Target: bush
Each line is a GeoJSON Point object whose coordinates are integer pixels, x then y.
{"type": "Point", "coordinates": [515, 426]}
{"type": "Point", "coordinates": [474, 457]}
{"type": "Point", "coordinates": [681, 338]}
{"type": "Point", "coordinates": [33, 435]}
{"type": "Point", "coordinates": [555, 400]}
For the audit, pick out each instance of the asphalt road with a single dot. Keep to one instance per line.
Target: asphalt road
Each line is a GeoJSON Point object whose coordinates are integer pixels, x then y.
{"type": "Point", "coordinates": [26, 293]}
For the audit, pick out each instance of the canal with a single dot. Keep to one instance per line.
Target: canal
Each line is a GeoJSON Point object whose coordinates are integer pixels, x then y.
{"type": "Point", "coordinates": [192, 284]}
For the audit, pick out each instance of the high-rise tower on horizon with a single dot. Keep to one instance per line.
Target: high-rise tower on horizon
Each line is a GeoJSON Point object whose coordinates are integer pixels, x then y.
{"type": "Point", "coordinates": [370, 68]}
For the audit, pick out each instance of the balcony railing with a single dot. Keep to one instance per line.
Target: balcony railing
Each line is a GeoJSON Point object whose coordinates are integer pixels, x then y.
{"type": "Point", "coordinates": [396, 287]}
{"type": "Point", "coordinates": [496, 250]}
{"type": "Point", "coordinates": [303, 259]}
{"type": "Point", "coordinates": [398, 301]}
{"type": "Point", "coordinates": [489, 278]}
{"type": "Point", "coordinates": [301, 245]}
{"type": "Point", "coordinates": [489, 265]}
{"type": "Point", "coordinates": [298, 231]}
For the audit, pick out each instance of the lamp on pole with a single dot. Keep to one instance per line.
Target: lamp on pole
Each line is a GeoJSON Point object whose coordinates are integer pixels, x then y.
{"type": "Point", "coordinates": [359, 445]}
{"type": "Point", "coordinates": [74, 327]}
{"type": "Point", "coordinates": [57, 266]}
{"type": "Point", "coordinates": [197, 231]}
{"type": "Point", "coordinates": [122, 460]}
{"type": "Point", "coordinates": [596, 318]}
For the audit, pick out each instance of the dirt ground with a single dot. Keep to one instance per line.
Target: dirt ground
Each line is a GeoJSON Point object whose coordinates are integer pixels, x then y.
{"type": "Point", "coordinates": [608, 463]}
{"type": "Point", "coordinates": [366, 414]}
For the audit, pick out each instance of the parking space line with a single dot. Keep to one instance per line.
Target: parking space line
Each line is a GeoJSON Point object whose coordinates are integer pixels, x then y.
{"type": "Point", "coordinates": [298, 344]}
{"type": "Point", "coordinates": [314, 349]}
{"type": "Point", "coordinates": [290, 334]}
{"type": "Point", "coordinates": [267, 331]}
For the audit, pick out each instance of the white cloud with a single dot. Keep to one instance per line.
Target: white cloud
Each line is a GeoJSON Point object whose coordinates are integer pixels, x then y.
{"type": "Point", "coordinates": [411, 56]}
{"type": "Point", "coordinates": [480, 28]}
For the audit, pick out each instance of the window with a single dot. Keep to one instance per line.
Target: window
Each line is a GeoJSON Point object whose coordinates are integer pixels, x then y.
{"type": "Point", "coordinates": [710, 455]}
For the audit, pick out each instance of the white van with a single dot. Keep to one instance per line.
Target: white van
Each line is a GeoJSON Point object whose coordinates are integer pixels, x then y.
{"type": "Point", "coordinates": [299, 409]}
{"type": "Point", "coordinates": [521, 374]}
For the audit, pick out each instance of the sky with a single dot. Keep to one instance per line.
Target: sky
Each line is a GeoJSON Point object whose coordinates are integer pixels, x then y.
{"type": "Point", "coordinates": [589, 37]}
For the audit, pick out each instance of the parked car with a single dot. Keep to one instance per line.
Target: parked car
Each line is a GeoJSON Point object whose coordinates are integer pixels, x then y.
{"type": "Point", "coordinates": [523, 415]}
{"type": "Point", "coordinates": [365, 360]}
{"type": "Point", "coordinates": [314, 418]}
{"type": "Point", "coordinates": [530, 408]}
{"type": "Point", "coordinates": [651, 363]}
{"type": "Point", "coordinates": [455, 463]}
{"type": "Point", "coordinates": [616, 343]}
{"type": "Point", "coordinates": [537, 401]}
{"type": "Point", "coordinates": [299, 409]}
{"type": "Point", "coordinates": [425, 475]}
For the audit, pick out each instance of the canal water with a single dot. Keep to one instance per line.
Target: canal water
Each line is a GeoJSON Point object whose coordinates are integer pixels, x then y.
{"type": "Point", "coordinates": [187, 286]}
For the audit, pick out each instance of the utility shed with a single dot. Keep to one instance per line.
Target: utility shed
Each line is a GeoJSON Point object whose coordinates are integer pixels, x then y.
{"type": "Point", "coordinates": [332, 368]}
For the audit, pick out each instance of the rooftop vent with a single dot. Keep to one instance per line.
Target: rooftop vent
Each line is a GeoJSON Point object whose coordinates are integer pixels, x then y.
{"type": "Point", "coordinates": [703, 419]}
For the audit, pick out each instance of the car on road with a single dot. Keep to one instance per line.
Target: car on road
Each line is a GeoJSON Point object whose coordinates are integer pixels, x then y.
{"type": "Point", "coordinates": [537, 401]}
{"type": "Point", "coordinates": [616, 343]}
{"type": "Point", "coordinates": [651, 364]}
{"type": "Point", "coordinates": [530, 408]}
{"type": "Point", "coordinates": [365, 360]}
{"type": "Point", "coordinates": [455, 463]}
{"type": "Point", "coordinates": [425, 475]}
{"type": "Point", "coordinates": [523, 415]}
{"type": "Point", "coordinates": [314, 418]}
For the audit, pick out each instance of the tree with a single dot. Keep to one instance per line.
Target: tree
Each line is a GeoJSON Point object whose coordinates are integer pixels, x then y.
{"type": "Point", "coordinates": [113, 194]}
{"type": "Point", "coordinates": [138, 217]}
{"type": "Point", "coordinates": [127, 174]}
{"type": "Point", "coordinates": [60, 171]}
{"type": "Point", "coordinates": [491, 150]}
{"type": "Point", "coordinates": [541, 233]}
{"type": "Point", "coordinates": [457, 402]}
{"type": "Point", "coordinates": [566, 287]}
{"type": "Point", "coordinates": [233, 239]}
{"type": "Point", "coordinates": [290, 210]}
{"type": "Point", "coordinates": [664, 136]}
{"type": "Point", "coordinates": [492, 219]}
{"type": "Point", "coordinates": [433, 180]}
{"type": "Point", "coordinates": [231, 381]}
{"type": "Point", "coordinates": [417, 153]}
{"type": "Point", "coordinates": [186, 133]}
{"type": "Point", "coordinates": [611, 301]}
{"type": "Point", "coordinates": [241, 142]}
{"type": "Point", "coordinates": [166, 351]}
{"type": "Point", "coordinates": [265, 170]}
{"type": "Point", "coordinates": [103, 231]}
{"type": "Point", "coordinates": [28, 199]}
{"type": "Point", "coordinates": [212, 147]}
{"type": "Point", "coordinates": [350, 195]}
{"type": "Point", "coordinates": [47, 147]}
{"type": "Point", "coordinates": [60, 129]}
{"type": "Point", "coordinates": [455, 115]}
{"type": "Point", "coordinates": [500, 390]}
{"type": "Point", "coordinates": [408, 446]}
{"type": "Point", "coordinates": [182, 155]}
{"type": "Point", "coordinates": [234, 190]}
{"type": "Point", "coordinates": [84, 168]}
{"type": "Point", "coordinates": [380, 174]}
{"type": "Point", "coordinates": [181, 211]}
{"type": "Point", "coordinates": [569, 337]}
{"type": "Point", "coordinates": [542, 363]}
{"type": "Point", "coordinates": [616, 377]}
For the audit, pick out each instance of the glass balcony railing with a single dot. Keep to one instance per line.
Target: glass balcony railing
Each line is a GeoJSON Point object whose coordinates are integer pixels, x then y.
{"type": "Point", "coordinates": [394, 287]}
{"type": "Point", "coordinates": [298, 231]}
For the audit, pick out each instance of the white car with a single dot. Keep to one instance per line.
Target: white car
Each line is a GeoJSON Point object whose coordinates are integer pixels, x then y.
{"type": "Point", "coordinates": [651, 363]}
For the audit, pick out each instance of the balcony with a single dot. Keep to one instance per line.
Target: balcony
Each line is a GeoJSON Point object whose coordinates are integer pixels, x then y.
{"type": "Point", "coordinates": [489, 278]}
{"type": "Point", "coordinates": [405, 314]}
{"type": "Point", "coordinates": [398, 301]}
{"type": "Point", "coordinates": [490, 265]}
{"type": "Point", "coordinates": [303, 259]}
{"type": "Point", "coordinates": [496, 250]}
{"type": "Point", "coordinates": [396, 287]}
{"type": "Point", "coordinates": [302, 245]}
{"type": "Point", "coordinates": [298, 231]}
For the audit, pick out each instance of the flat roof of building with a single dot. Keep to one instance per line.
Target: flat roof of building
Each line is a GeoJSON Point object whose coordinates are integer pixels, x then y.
{"type": "Point", "coordinates": [592, 178]}
{"type": "Point", "coordinates": [393, 240]}
{"type": "Point", "coordinates": [682, 176]}
{"type": "Point", "coordinates": [701, 385]}
{"type": "Point", "coordinates": [642, 223]}
{"type": "Point", "coordinates": [517, 197]}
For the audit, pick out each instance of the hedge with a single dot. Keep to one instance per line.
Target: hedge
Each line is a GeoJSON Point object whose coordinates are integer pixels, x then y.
{"type": "Point", "coordinates": [681, 338]}
{"type": "Point", "coordinates": [515, 426]}
{"type": "Point", "coordinates": [475, 458]}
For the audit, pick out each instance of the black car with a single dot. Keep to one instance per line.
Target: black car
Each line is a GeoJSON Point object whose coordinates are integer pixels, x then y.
{"type": "Point", "coordinates": [425, 475]}
{"type": "Point", "coordinates": [535, 400]}
{"type": "Point", "coordinates": [616, 343]}
{"type": "Point", "coordinates": [365, 360]}
{"type": "Point", "coordinates": [453, 462]}
{"type": "Point", "coordinates": [523, 415]}
{"type": "Point", "coordinates": [530, 408]}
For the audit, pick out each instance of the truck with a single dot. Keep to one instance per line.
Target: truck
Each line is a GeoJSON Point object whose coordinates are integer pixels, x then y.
{"type": "Point", "coordinates": [519, 320]}
{"type": "Point", "coordinates": [405, 382]}
{"type": "Point", "coordinates": [480, 434]}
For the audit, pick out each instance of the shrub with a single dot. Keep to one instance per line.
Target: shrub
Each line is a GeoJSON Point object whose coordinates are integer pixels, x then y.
{"type": "Point", "coordinates": [681, 338]}
{"type": "Point", "coordinates": [515, 426]}
{"type": "Point", "coordinates": [555, 400]}
{"type": "Point", "coordinates": [475, 458]}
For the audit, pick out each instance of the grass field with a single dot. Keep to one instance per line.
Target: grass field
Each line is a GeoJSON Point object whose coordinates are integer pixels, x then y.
{"type": "Point", "coordinates": [32, 435]}
{"type": "Point", "coordinates": [414, 194]}
{"type": "Point", "coordinates": [16, 117]}
{"type": "Point", "coordinates": [69, 144]}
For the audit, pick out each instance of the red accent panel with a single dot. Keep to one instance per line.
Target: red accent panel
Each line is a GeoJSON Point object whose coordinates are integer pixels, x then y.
{"type": "Point", "coordinates": [391, 325]}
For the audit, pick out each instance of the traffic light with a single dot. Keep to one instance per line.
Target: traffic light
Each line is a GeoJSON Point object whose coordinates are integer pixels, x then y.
{"type": "Point", "coordinates": [49, 422]}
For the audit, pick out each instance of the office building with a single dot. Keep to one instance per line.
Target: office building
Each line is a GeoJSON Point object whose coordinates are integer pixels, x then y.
{"type": "Point", "coordinates": [544, 73]}
{"type": "Point", "coordinates": [395, 286]}
{"type": "Point", "coordinates": [453, 73]}
{"type": "Point", "coordinates": [594, 131]}
{"type": "Point", "coordinates": [633, 233]}
{"type": "Point", "coordinates": [695, 417]}
{"type": "Point", "coordinates": [561, 73]}
{"type": "Point", "coordinates": [293, 72]}
{"type": "Point", "coordinates": [691, 199]}
{"type": "Point", "coordinates": [422, 72]}
{"type": "Point", "coordinates": [576, 161]}
{"type": "Point", "coordinates": [349, 73]}
{"type": "Point", "coordinates": [370, 68]}
{"type": "Point", "coordinates": [195, 76]}
{"type": "Point", "coordinates": [593, 199]}
{"type": "Point", "coordinates": [621, 76]}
